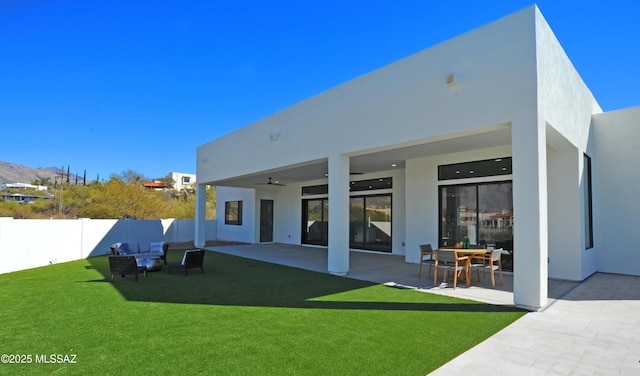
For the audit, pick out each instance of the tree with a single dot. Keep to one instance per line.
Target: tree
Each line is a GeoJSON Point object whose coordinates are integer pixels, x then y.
{"type": "Point", "coordinates": [167, 179]}
{"type": "Point", "coordinates": [118, 199]}
{"type": "Point", "coordinates": [131, 177]}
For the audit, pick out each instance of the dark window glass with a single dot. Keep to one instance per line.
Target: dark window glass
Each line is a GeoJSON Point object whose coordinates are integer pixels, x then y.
{"type": "Point", "coordinates": [476, 169]}
{"type": "Point", "coordinates": [481, 212]}
{"type": "Point", "coordinates": [355, 186]}
{"type": "Point", "coordinates": [370, 223]}
{"type": "Point", "coordinates": [371, 184]}
{"type": "Point", "coordinates": [315, 190]}
{"type": "Point", "coordinates": [315, 221]}
{"type": "Point", "coordinates": [233, 213]}
{"type": "Point", "coordinates": [588, 207]}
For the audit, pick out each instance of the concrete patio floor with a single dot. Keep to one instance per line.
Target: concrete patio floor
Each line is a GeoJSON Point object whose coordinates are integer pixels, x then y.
{"type": "Point", "coordinates": [588, 328]}
{"type": "Point", "coordinates": [389, 269]}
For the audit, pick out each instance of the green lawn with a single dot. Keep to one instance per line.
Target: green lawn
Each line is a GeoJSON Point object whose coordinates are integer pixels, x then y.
{"type": "Point", "coordinates": [241, 317]}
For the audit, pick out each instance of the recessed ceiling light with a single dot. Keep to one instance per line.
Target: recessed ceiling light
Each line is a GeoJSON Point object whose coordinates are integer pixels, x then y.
{"type": "Point", "coordinates": [457, 172]}
{"type": "Point", "coordinates": [471, 171]}
{"type": "Point", "coordinates": [393, 165]}
{"type": "Point", "coordinates": [499, 160]}
{"type": "Point", "coordinates": [504, 169]}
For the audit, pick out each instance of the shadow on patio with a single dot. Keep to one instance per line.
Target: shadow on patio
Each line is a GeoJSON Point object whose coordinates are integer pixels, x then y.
{"type": "Point", "coordinates": [387, 269]}
{"type": "Point", "coordinates": [240, 281]}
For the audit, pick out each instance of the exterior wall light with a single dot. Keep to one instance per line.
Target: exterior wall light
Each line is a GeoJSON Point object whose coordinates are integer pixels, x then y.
{"type": "Point", "coordinates": [452, 79]}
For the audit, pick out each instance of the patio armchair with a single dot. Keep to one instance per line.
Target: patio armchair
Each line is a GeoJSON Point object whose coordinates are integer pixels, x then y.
{"type": "Point", "coordinates": [427, 256]}
{"type": "Point", "coordinates": [449, 261]}
{"type": "Point", "coordinates": [193, 258]}
{"type": "Point", "coordinates": [125, 265]}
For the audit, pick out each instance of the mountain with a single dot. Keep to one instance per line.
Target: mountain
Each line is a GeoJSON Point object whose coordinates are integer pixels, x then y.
{"type": "Point", "coordinates": [15, 173]}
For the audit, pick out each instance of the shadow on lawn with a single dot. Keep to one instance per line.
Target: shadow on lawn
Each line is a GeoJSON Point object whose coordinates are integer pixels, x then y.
{"type": "Point", "coordinates": [232, 280]}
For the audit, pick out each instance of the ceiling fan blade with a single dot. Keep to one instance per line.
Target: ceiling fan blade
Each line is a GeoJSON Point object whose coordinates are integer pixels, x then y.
{"type": "Point", "coordinates": [270, 182]}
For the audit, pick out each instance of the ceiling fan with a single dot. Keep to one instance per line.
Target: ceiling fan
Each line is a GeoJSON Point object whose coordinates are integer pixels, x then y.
{"type": "Point", "coordinates": [271, 182]}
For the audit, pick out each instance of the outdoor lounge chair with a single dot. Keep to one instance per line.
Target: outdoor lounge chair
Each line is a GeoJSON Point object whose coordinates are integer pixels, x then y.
{"type": "Point", "coordinates": [193, 258]}
{"type": "Point", "coordinates": [125, 265]}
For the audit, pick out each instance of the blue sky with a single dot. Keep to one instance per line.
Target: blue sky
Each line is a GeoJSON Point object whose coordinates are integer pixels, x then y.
{"type": "Point", "coordinates": [108, 86]}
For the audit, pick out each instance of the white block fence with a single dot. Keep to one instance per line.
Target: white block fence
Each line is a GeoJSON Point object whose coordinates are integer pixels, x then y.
{"type": "Point", "coordinates": [31, 243]}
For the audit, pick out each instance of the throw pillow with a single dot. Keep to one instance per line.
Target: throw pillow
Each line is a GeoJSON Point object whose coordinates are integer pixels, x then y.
{"type": "Point", "coordinates": [124, 249]}
{"type": "Point", "coordinates": [157, 247]}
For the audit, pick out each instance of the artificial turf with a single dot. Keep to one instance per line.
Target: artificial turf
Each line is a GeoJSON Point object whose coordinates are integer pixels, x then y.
{"type": "Point", "coordinates": [241, 317]}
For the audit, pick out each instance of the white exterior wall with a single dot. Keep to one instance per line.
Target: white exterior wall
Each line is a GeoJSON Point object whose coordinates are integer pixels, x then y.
{"type": "Point", "coordinates": [247, 231]}
{"type": "Point", "coordinates": [404, 103]}
{"type": "Point", "coordinates": [615, 190]}
{"type": "Point", "coordinates": [566, 105]}
{"type": "Point", "coordinates": [177, 178]}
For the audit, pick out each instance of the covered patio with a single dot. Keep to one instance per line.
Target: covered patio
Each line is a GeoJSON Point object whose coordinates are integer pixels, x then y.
{"type": "Point", "coordinates": [425, 150]}
{"type": "Point", "coordinates": [388, 269]}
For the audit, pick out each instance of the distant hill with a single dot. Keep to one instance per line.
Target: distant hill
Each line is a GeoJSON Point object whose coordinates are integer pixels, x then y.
{"type": "Point", "coordinates": [12, 173]}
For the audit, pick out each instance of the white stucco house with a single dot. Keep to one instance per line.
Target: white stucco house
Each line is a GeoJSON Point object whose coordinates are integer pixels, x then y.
{"type": "Point", "coordinates": [183, 181]}
{"type": "Point", "coordinates": [491, 135]}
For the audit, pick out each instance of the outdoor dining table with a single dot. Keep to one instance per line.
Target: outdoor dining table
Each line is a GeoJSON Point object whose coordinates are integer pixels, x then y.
{"type": "Point", "coordinates": [467, 251]}
{"type": "Point", "coordinates": [470, 252]}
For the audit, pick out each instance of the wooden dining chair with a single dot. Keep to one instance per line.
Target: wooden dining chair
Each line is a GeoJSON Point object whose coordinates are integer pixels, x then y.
{"type": "Point", "coordinates": [427, 256]}
{"type": "Point", "coordinates": [450, 261]}
{"type": "Point", "coordinates": [492, 262]}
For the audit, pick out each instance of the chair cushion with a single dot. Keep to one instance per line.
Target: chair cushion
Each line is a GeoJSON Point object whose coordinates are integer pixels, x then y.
{"type": "Point", "coordinates": [144, 247]}
{"type": "Point", "coordinates": [123, 249]}
{"type": "Point", "coordinates": [156, 247]}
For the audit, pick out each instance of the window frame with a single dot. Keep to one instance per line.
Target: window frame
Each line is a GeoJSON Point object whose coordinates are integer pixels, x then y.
{"type": "Point", "coordinates": [587, 191]}
{"type": "Point", "coordinates": [233, 217]}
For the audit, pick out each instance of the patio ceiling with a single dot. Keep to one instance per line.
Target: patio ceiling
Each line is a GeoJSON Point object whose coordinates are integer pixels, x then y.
{"type": "Point", "coordinates": [378, 160]}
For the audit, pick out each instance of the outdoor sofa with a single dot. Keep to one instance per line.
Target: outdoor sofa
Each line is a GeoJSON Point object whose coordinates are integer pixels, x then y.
{"type": "Point", "coordinates": [141, 249]}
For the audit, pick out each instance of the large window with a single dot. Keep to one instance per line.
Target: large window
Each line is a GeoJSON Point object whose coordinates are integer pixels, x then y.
{"type": "Point", "coordinates": [588, 207]}
{"type": "Point", "coordinates": [233, 213]}
{"type": "Point", "coordinates": [370, 223]}
{"type": "Point", "coordinates": [481, 212]}
{"type": "Point", "coordinates": [369, 216]}
{"type": "Point", "coordinates": [315, 221]}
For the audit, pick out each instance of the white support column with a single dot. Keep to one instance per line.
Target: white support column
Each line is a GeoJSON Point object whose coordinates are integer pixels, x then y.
{"type": "Point", "coordinates": [530, 270]}
{"type": "Point", "coordinates": [338, 252]}
{"type": "Point", "coordinates": [200, 235]}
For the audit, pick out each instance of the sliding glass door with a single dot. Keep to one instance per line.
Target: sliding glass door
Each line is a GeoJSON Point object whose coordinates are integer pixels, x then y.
{"type": "Point", "coordinates": [315, 223]}
{"type": "Point", "coordinates": [482, 212]}
{"type": "Point", "coordinates": [370, 223]}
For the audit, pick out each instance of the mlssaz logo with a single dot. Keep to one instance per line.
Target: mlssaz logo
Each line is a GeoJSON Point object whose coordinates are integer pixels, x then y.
{"type": "Point", "coordinates": [56, 358]}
